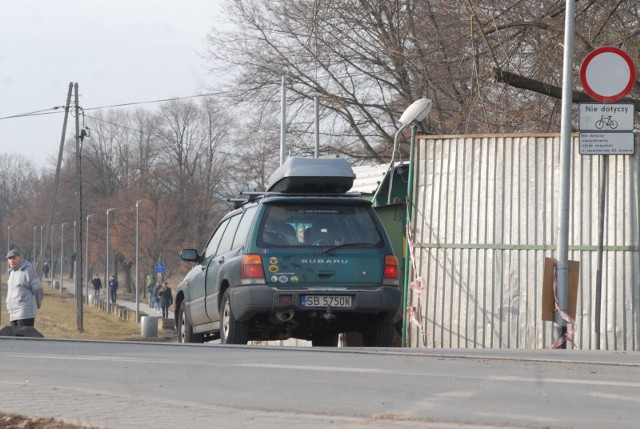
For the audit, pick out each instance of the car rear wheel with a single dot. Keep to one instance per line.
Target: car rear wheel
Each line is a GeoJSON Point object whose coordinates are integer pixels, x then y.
{"type": "Point", "coordinates": [321, 339]}
{"type": "Point", "coordinates": [379, 335]}
{"type": "Point", "coordinates": [232, 331]}
{"type": "Point", "coordinates": [185, 329]}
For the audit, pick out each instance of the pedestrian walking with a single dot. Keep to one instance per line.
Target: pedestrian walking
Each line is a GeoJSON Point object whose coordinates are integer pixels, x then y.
{"type": "Point", "coordinates": [24, 291]}
{"type": "Point", "coordinates": [156, 289]}
{"type": "Point", "coordinates": [165, 299]}
{"type": "Point", "coordinates": [97, 285]}
{"type": "Point", "coordinates": [45, 269]}
{"type": "Point", "coordinates": [151, 290]}
{"type": "Point", "coordinates": [113, 288]}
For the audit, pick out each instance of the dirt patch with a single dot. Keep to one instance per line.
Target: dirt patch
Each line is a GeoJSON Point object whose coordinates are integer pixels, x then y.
{"type": "Point", "coordinates": [15, 421]}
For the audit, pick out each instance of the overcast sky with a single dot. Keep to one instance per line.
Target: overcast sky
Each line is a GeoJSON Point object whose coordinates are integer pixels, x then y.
{"type": "Point", "coordinates": [118, 51]}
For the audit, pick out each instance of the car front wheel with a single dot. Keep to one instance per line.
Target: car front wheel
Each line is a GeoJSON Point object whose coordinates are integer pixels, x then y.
{"type": "Point", "coordinates": [232, 331]}
{"type": "Point", "coordinates": [185, 329]}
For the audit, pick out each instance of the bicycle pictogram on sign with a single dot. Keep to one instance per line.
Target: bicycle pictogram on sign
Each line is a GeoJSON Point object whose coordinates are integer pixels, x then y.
{"type": "Point", "coordinates": [607, 121]}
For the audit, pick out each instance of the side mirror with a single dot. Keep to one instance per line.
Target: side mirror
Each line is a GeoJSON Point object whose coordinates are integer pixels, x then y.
{"type": "Point", "coordinates": [190, 255]}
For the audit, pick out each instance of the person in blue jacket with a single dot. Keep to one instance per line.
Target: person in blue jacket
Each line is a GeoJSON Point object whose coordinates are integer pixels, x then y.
{"type": "Point", "coordinates": [24, 292]}
{"type": "Point", "coordinates": [113, 288]}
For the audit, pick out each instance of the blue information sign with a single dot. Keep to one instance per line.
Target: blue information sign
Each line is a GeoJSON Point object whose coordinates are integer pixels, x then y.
{"type": "Point", "coordinates": [159, 267]}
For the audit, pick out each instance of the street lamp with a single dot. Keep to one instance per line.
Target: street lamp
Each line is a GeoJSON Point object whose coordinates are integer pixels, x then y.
{"type": "Point", "coordinates": [137, 257]}
{"type": "Point", "coordinates": [9, 237]}
{"type": "Point", "coordinates": [416, 112]}
{"type": "Point", "coordinates": [35, 246]}
{"type": "Point", "coordinates": [41, 252]}
{"type": "Point", "coordinates": [51, 232]}
{"type": "Point", "coordinates": [86, 258]}
{"type": "Point", "coordinates": [283, 109]}
{"type": "Point", "coordinates": [107, 267]}
{"type": "Point", "coordinates": [62, 256]}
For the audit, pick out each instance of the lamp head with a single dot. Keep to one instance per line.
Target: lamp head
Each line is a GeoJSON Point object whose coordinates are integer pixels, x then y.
{"type": "Point", "coordinates": [416, 112]}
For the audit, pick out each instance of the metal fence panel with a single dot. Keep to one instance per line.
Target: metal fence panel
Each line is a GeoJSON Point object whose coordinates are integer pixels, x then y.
{"type": "Point", "coordinates": [484, 218]}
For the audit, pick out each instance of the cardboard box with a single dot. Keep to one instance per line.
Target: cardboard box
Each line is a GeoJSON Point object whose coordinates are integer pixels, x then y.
{"type": "Point", "coordinates": [548, 298]}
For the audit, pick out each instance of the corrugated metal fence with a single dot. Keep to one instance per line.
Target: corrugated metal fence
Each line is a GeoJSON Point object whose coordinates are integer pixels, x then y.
{"type": "Point", "coordinates": [485, 213]}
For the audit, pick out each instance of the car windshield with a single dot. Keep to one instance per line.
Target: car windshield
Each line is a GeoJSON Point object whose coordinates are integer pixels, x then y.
{"type": "Point", "coordinates": [294, 225]}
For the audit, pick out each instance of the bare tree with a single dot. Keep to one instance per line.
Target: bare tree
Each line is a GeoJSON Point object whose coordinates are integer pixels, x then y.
{"type": "Point", "coordinates": [367, 60]}
{"type": "Point", "coordinates": [19, 189]}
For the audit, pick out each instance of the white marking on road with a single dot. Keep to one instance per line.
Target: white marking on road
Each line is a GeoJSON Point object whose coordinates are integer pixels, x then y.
{"type": "Point", "coordinates": [563, 381]}
{"type": "Point", "coordinates": [314, 368]}
{"type": "Point", "coordinates": [615, 397]}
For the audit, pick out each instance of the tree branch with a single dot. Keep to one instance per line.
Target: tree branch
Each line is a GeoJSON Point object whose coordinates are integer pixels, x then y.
{"type": "Point", "coordinates": [519, 81]}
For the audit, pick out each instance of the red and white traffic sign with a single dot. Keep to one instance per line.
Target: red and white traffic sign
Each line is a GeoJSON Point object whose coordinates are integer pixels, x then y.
{"type": "Point", "coordinates": [607, 74]}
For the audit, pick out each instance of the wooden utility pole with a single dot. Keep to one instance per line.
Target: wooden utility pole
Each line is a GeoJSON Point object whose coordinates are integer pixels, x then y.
{"type": "Point", "coordinates": [77, 275]}
{"type": "Point", "coordinates": [57, 178]}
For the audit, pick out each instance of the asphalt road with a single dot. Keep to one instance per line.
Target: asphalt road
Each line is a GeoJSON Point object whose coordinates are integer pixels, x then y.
{"type": "Point", "coordinates": [133, 385]}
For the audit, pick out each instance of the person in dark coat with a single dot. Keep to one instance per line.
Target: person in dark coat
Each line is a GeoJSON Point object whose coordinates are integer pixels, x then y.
{"type": "Point", "coordinates": [97, 285]}
{"type": "Point", "coordinates": [113, 288]}
{"type": "Point", "coordinates": [165, 299]}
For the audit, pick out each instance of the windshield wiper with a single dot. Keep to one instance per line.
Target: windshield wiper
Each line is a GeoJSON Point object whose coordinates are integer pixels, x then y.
{"type": "Point", "coordinates": [339, 246]}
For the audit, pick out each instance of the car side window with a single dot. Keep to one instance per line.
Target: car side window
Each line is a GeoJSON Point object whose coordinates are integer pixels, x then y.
{"type": "Point", "coordinates": [212, 246]}
{"type": "Point", "coordinates": [243, 228]}
{"type": "Point", "coordinates": [229, 234]}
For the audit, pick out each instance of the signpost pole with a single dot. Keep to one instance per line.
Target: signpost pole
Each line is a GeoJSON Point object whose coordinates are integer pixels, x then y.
{"type": "Point", "coordinates": [565, 175]}
{"type": "Point", "coordinates": [604, 173]}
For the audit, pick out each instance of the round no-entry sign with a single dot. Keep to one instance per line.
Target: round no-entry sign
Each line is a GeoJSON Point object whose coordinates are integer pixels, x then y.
{"type": "Point", "coordinates": [607, 74]}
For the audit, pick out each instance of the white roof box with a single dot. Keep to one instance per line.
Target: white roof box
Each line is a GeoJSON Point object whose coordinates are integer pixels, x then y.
{"type": "Point", "coordinates": [312, 176]}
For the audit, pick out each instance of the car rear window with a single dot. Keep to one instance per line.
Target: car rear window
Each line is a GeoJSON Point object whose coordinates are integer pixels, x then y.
{"type": "Point", "coordinates": [299, 224]}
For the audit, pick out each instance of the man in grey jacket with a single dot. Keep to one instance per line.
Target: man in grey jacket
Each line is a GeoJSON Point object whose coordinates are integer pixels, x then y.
{"type": "Point", "coordinates": [24, 292]}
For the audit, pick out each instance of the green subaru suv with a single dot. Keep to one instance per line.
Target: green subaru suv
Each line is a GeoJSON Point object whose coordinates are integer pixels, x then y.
{"type": "Point", "coordinates": [306, 260]}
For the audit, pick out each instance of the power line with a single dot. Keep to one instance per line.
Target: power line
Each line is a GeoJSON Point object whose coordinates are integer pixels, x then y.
{"type": "Point", "coordinates": [133, 103]}
{"type": "Point", "coordinates": [36, 113]}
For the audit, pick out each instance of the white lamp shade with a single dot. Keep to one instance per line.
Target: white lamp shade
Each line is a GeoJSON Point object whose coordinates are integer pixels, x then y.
{"type": "Point", "coordinates": [416, 112]}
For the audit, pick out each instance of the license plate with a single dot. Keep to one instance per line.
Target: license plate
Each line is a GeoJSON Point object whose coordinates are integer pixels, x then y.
{"type": "Point", "coordinates": [335, 301]}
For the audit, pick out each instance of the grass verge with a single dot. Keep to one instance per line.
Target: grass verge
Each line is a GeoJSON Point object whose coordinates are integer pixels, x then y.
{"type": "Point", "coordinates": [58, 319]}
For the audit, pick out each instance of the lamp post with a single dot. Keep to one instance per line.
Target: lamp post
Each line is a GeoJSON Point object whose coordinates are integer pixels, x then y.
{"type": "Point", "coordinates": [51, 241]}
{"type": "Point", "coordinates": [137, 257]}
{"type": "Point", "coordinates": [86, 257]}
{"type": "Point", "coordinates": [417, 111]}
{"type": "Point", "coordinates": [283, 108]}
{"type": "Point", "coordinates": [41, 252]}
{"type": "Point", "coordinates": [62, 256]}
{"type": "Point", "coordinates": [9, 237]}
{"type": "Point", "coordinates": [107, 267]}
{"type": "Point", "coordinates": [34, 247]}
{"type": "Point", "coordinates": [283, 119]}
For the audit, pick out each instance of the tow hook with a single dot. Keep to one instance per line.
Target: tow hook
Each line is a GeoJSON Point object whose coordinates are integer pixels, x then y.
{"type": "Point", "coordinates": [329, 316]}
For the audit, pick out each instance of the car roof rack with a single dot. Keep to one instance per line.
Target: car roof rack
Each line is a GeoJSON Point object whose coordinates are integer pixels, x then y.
{"type": "Point", "coordinates": [256, 194]}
